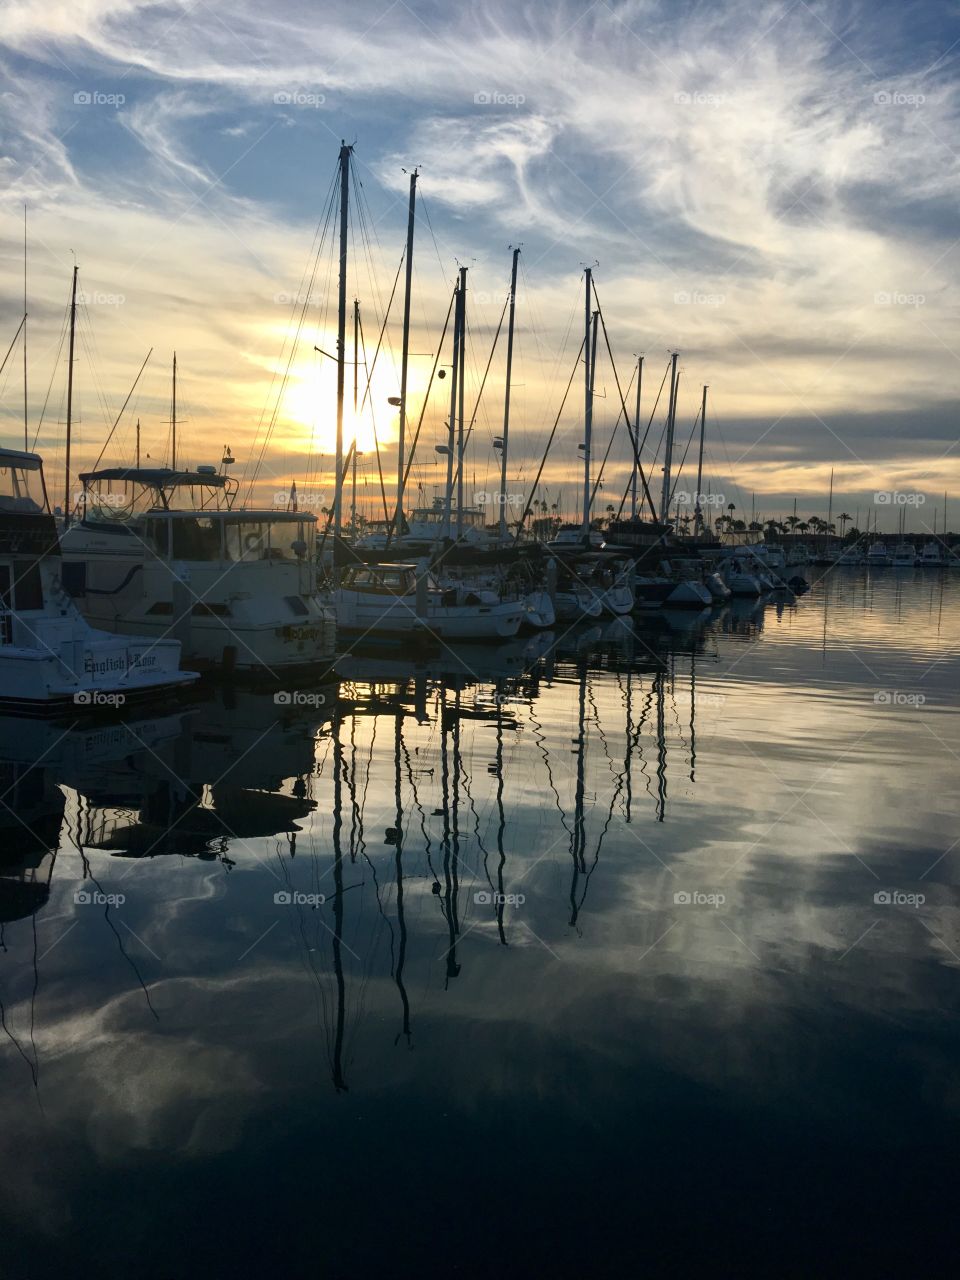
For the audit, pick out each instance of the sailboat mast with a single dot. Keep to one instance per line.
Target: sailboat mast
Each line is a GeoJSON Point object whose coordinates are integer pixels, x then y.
{"type": "Point", "coordinates": [73, 329]}
{"type": "Point", "coordinates": [636, 443]}
{"type": "Point", "coordinates": [506, 400]}
{"type": "Point", "coordinates": [830, 499]}
{"type": "Point", "coordinates": [138, 444]}
{"type": "Point", "coordinates": [460, 396]}
{"type": "Point", "coordinates": [668, 447]}
{"type": "Point", "coordinates": [587, 402]}
{"type": "Point", "coordinates": [173, 417]}
{"type": "Point", "coordinates": [697, 509]}
{"type": "Point", "coordinates": [26, 444]}
{"type": "Point", "coordinates": [356, 368]}
{"type": "Point", "coordinates": [341, 340]}
{"type": "Point", "coordinates": [451, 426]}
{"type": "Point", "coordinates": [408, 285]}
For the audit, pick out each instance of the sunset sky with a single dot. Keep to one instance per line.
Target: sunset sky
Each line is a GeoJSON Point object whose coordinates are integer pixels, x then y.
{"type": "Point", "coordinates": [769, 189]}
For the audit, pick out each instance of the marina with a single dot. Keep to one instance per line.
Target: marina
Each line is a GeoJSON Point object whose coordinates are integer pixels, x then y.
{"type": "Point", "coordinates": [479, 640]}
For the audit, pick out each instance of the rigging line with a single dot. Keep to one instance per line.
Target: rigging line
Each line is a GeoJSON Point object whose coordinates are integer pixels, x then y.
{"type": "Point", "coordinates": [426, 214]}
{"type": "Point", "coordinates": [623, 406]}
{"type": "Point", "coordinates": [53, 373]}
{"type": "Point", "coordinates": [376, 438]}
{"type": "Point", "coordinates": [89, 341]}
{"type": "Point", "coordinates": [123, 407]}
{"type": "Point", "coordinates": [12, 344]}
{"type": "Point", "coordinates": [322, 228]}
{"type": "Point", "coordinates": [383, 329]}
{"type": "Point", "coordinates": [536, 482]}
{"type": "Point", "coordinates": [644, 440]}
{"type": "Point", "coordinates": [398, 514]}
{"type": "Point", "coordinates": [715, 421]}
{"type": "Point", "coordinates": [693, 429]}
{"type": "Point", "coordinates": [483, 383]}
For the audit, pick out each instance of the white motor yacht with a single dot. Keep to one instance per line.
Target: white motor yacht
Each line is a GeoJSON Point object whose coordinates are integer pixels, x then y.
{"type": "Point", "coordinates": [878, 557]}
{"type": "Point", "coordinates": [50, 657]}
{"type": "Point", "coordinates": [168, 554]}
{"type": "Point", "coordinates": [932, 556]}
{"type": "Point", "coordinates": [904, 556]}
{"type": "Point", "coordinates": [406, 599]}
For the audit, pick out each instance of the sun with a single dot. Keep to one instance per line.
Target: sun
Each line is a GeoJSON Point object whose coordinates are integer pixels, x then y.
{"type": "Point", "coordinates": [310, 407]}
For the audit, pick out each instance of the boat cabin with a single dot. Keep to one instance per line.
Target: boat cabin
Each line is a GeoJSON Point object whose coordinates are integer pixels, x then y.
{"type": "Point", "coordinates": [189, 515]}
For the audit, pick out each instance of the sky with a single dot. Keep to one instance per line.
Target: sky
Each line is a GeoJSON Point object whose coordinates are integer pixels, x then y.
{"type": "Point", "coordinates": [768, 189]}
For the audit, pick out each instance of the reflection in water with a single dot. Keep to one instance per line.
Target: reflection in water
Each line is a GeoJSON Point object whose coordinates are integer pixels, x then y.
{"type": "Point", "coordinates": [638, 852]}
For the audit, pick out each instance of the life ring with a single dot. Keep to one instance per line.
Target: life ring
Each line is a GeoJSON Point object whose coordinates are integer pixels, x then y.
{"type": "Point", "coordinates": [252, 541]}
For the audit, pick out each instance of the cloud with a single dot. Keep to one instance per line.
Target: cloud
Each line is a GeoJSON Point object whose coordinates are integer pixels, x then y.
{"type": "Point", "coordinates": [780, 168]}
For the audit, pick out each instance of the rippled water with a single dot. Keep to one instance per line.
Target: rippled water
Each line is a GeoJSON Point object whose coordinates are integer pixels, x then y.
{"type": "Point", "coordinates": [634, 949]}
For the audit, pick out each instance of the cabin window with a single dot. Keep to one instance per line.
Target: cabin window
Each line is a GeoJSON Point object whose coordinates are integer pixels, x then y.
{"type": "Point", "coordinates": [291, 540]}
{"type": "Point", "coordinates": [196, 538]}
{"type": "Point", "coordinates": [27, 587]}
{"type": "Point", "coordinates": [247, 541]}
{"type": "Point", "coordinates": [297, 606]}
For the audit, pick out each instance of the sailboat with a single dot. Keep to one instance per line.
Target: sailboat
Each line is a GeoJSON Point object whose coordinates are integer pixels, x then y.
{"type": "Point", "coordinates": [386, 598]}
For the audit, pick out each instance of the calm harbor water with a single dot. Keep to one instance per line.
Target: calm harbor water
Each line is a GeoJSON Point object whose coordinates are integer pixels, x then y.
{"type": "Point", "coordinates": [631, 949]}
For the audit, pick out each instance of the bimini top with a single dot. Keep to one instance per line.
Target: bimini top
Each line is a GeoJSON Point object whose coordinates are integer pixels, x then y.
{"type": "Point", "coordinates": [17, 458]}
{"type": "Point", "coordinates": [156, 477]}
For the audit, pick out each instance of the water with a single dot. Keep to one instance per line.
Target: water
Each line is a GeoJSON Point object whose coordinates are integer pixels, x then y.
{"type": "Point", "coordinates": [710, 1025]}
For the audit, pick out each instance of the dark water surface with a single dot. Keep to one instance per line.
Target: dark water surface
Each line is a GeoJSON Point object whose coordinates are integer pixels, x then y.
{"type": "Point", "coordinates": [711, 1028]}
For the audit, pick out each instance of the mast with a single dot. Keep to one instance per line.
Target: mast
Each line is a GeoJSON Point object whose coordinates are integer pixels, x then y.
{"type": "Point", "coordinates": [460, 392]}
{"type": "Point", "coordinates": [341, 340]}
{"type": "Point", "coordinates": [73, 328]}
{"type": "Point", "coordinates": [411, 214]}
{"type": "Point", "coordinates": [506, 400]}
{"type": "Point", "coordinates": [26, 444]}
{"type": "Point", "coordinates": [138, 444]}
{"type": "Point", "coordinates": [668, 447]}
{"type": "Point", "coordinates": [587, 403]}
{"type": "Point", "coordinates": [356, 368]}
{"type": "Point", "coordinates": [451, 427]}
{"type": "Point", "coordinates": [830, 499]}
{"type": "Point", "coordinates": [636, 442]}
{"type": "Point", "coordinates": [697, 511]}
{"type": "Point", "coordinates": [173, 417]}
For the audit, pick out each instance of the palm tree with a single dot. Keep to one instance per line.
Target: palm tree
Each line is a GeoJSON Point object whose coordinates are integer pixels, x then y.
{"type": "Point", "coordinates": [792, 521]}
{"type": "Point", "coordinates": [843, 518]}
{"type": "Point", "coordinates": [802, 527]}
